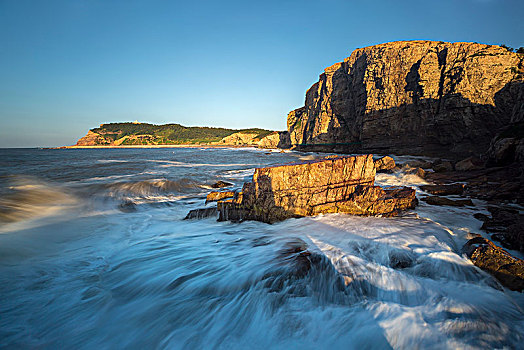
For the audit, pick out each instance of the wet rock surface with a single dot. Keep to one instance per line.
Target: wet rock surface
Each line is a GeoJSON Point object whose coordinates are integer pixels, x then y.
{"type": "Point", "coordinates": [506, 226]}
{"type": "Point", "coordinates": [329, 185]}
{"type": "Point", "coordinates": [495, 184]}
{"type": "Point", "coordinates": [221, 184]}
{"type": "Point", "coordinates": [444, 190]}
{"type": "Point", "coordinates": [508, 270]}
{"type": "Point", "coordinates": [201, 213]}
{"type": "Point", "coordinates": [436, 200]}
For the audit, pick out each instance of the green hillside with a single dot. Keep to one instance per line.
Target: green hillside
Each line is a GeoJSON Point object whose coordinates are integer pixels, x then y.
{"type": "Point", "coordinates": [145, 134]}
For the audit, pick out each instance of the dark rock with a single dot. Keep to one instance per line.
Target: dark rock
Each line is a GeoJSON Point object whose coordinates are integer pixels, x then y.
{"type": "Point", "coordinates": [444, 190]}
{"type": "Point", "coordinates": [299, 256]}
{"type": "Point", "coordinates": [507, 224]}
{"type": "Point", "coordinates": [201, 213]}
{"type": "Point", "coordinates": [399, 259]}
{"type": "Point", "coordinates": [506, 268]}
{"type": "Point", "coordinates": [420, 164]}
{"type": "Point", "coordinates": [329, 185]}
{"type": "Point", "coordinates": [127, 207]}
{"type": "Point", "coordinates": [221, 184]}
{"type": "Point", "coordinates": [436, 200]}
{"type": "Point", "coordinates": [384, 164]}
{"type": "Point", "coordinates": [491, 184]}
{"type": "Point", "coordinates": [480, 216]}
{"type": "Point", "coordinates": [470, 163]}
{"type": "Point", "coordinates": [443, 167]}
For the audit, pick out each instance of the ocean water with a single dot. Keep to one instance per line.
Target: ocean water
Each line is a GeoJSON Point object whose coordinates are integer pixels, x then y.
{"type": "Point", "coordinates": [95, 254]}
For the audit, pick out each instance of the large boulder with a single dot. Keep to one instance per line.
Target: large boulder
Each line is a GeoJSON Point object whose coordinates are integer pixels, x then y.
{"type": "Point", "coordinates": [508, 269]}
{"type": "Point", "coordinates": [329, 185]}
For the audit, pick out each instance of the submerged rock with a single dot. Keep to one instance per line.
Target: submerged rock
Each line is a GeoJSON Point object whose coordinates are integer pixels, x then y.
{"type": "Point", "coordinates": [329, 185]}
{"type": "Point", "coordinates": [127, 206]}
{"type": "Point", "coordinates": [221, 184]}
{"type": "Point", "coordinates": [506, 268]}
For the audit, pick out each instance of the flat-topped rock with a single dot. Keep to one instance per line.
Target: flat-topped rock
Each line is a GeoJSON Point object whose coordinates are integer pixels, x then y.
{"type": "Point", "coordinates": [218, 195]}
{"type": "Point", "coordinates": [328, 185]}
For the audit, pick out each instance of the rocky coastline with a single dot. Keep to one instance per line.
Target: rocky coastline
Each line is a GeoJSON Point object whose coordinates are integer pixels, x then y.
{"type": "Point", "coordinates": [463, 102]}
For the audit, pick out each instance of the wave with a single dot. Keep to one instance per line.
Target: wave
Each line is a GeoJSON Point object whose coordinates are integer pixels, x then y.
{"type": "Point", "coordinates": [29, 197]}
{"type": "Point", "coordinates": [152, 187]}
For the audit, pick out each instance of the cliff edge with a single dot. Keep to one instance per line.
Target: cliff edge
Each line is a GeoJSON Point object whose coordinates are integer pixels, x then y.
{"type": "Point", "coordinates": [412, 97]}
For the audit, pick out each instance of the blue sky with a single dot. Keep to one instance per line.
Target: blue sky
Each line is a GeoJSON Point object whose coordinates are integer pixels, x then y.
{"type": "Point", "coordinates": [67, 66]}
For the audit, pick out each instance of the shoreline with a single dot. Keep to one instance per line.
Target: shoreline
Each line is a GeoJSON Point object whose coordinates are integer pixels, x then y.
{"type": "Point", "coordinates": [160, 146]}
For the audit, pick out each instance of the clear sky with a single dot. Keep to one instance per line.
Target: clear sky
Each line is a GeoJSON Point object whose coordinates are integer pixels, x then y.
{"type": "Point", "coordinates": [67, 66]}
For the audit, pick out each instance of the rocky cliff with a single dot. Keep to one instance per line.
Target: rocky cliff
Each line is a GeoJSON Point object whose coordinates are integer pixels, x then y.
{"type": "Point", "coordinates": [416, 97]}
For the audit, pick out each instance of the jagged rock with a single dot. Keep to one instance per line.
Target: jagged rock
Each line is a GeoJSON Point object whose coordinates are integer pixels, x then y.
{"type": "Point", "coordinates": [508, 269]}
{"type": "Point", "coordinates": [420, 164]}
{"type": "Point", "coordinates": [218, 195]}
{"type": "Point", "coordinates": [412, 97]}
{"type": "Point", "coordinates": [507, 224]}
{"type": "Point", "coordinates": [470, 163]}
{"type": "Point", "coordinates": [201, 213]}
{"type": "Point", "coordinates": [508, 146]}
{"type": "Point", "coordinates": [443, 190]}
{"type": "Point", "coordinates": [443, 167]}
{"type": "Point", "coordinates": [384, 164]}
{"type": "Point", "coordinates": [221, 184]}
{"type": "Point", "coordinates": [491, 184]}
{"type": "Point", "coordinates": [329, 185]}
{"type": "Point", "coordinates": [436, 200]}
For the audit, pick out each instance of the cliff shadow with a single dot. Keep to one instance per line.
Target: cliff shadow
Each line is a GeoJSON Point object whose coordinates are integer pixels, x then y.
{"type": "Point", "coordinates": [450, 125]}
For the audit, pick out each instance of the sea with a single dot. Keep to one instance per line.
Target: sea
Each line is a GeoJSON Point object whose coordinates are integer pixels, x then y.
{"type": "Point", "coordinates": [95, 254]}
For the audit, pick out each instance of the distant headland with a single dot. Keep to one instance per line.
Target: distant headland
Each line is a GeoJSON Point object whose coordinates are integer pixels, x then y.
{"type": "Point", "coordinates": [136, 134]}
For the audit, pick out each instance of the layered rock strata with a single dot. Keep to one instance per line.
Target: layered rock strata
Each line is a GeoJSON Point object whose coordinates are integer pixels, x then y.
{"type": "Point", "coordinates": [414, 97]}
{"type": "Point", "coordinates": [329, 185]}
